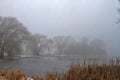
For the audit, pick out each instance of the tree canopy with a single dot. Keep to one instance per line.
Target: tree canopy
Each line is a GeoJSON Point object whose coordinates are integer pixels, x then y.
{"type": "Point", "coordinates": [12, 33]}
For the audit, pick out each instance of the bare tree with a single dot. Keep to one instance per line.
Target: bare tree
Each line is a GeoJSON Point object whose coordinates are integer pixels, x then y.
{"type": "Point", "coordinates": [29, 46]}
{"type": "Point", "coordinates": [12, 33]}
{"type": "Point", "coordinates": [86, 47]}
{"type": "Point", "coordinates": [61, 43]}
{"type": "Point", "coordinates": [41, 42]}
{"type": "Point", "coordinates": [73, 48]}
{"type": "Point", "coordinates": [98, 47]}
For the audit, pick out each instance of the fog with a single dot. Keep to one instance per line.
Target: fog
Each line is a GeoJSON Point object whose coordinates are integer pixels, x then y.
{"type": "Point", "coordinates": [78, 18]}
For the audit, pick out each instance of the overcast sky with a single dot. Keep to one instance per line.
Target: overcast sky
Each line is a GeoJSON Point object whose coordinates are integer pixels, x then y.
{"type": "Point", "coordinates": [76, 18]}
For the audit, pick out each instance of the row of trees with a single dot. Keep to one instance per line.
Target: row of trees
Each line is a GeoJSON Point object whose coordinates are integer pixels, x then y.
{"type": "Point", "coordinates": [15, 39]}
{"type": "Point", "coordinates": [64, 45]}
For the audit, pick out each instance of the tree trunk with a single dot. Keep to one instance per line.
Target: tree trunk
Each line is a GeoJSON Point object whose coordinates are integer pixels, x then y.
{"type": "Point", "coordinates": [2, 53]}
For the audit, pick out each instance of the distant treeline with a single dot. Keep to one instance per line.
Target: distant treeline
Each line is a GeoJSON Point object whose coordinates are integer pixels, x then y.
{"type": "Point", "coordinates": [16, 40]}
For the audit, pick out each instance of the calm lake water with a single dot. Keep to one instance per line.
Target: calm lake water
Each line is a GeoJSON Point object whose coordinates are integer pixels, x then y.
{"type": "Point", "coordinates": [38, 65]}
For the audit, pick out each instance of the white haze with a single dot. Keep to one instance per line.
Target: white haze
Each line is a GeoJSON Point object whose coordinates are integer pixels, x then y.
{"type": "Point", "coordinates": [76, 18]}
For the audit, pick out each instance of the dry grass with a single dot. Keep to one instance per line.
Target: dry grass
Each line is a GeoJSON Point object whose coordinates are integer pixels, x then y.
{"type": "Point", "coordinates": [36, 77]}
{"type": "Point", "coordinates": [76, 71]}
{"type": "Point", "coordinates": [12, 74]}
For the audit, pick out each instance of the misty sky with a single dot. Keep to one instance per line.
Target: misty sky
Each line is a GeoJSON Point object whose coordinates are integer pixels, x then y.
{"type": "Point", "coordinates": [76, 18]}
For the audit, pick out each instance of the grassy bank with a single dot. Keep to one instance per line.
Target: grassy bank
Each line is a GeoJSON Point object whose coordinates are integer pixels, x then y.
{"type": "Point", "coordinates": [76, 71]}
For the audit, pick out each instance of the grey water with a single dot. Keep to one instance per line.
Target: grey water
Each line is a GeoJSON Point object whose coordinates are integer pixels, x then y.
{"type": "Point", "coordinates": [40, 65]}
{"type": "Point", "coordinates": [36, 65]}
